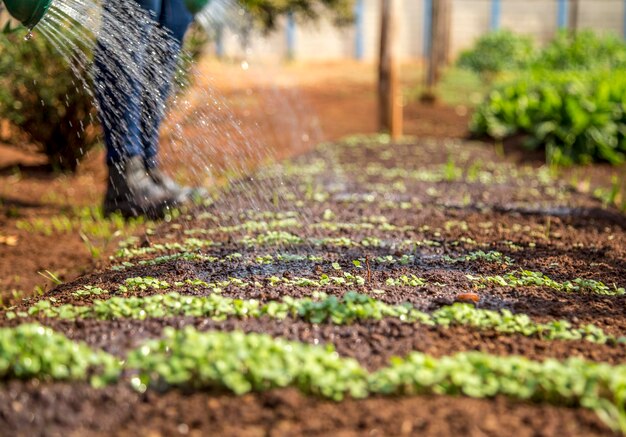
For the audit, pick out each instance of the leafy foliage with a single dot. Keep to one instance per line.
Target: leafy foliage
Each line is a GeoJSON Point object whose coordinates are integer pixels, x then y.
{"type": "Point", "coordinates": [527, 278]}
{"type": "Point", "coordinates": [492, 256]}
{"type": "Point", "coordinates": [583, 51]}
{"type": "Point", "coordinates": [578, 118]}
{"type": "Point", "coordinates": [245, 362]}
{"type": "Point", "coordinates": [242, 363]}
{"type": "Point", "coordinates": [143, 284]}
{"type": "Point", "coordinates": [267, 12]}
{"type": "Point", "coordinates": [33, 351]}
{"type": "Point", "coordinates": [352, 307]}
{"type": "Point", "coordinates": [498, 51]}
{"type": "Point", "coordinates": [41, 97]}
{"type": "Point", "coordinates": [596, 386]}
{"type": "Point", "coordinates": [503, 50]}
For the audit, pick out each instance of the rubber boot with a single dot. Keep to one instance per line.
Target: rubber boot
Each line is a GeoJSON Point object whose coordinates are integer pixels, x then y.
{"type": "Point", "coordinates": [181, 193]}
{"type": "Point", "coordinates": [132, 192]}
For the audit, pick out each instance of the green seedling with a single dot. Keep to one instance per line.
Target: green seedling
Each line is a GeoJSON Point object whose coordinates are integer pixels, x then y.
{"type": "Point", "coordinates": [89, 290]}
{"type": "Point", "coordinates": [242, 363]}
{"type": "Point", "coordinates": [321, 308]}
{"type": "Point", "coordinates": [526, 278]}
{"type": "Point", "coordinates": [491, 256]}
{"type": "Point", "coordinates": [50, 277]}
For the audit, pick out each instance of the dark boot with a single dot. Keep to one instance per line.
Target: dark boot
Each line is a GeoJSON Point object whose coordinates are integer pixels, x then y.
{"type": "Point", "coordinates": [181, 193]}
{"type": "Point", "coordinates": [132, 192]}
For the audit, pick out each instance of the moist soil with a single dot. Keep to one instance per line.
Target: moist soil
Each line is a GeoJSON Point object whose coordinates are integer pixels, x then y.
{"type": "Point", "coordinates": [355, 191]}
{"type": "Point", "coordinates": [432, 201]}
{"type": "Point", "coordinates": [57, 408]}
{"type": "Point", "coordinates": [373, 344]}
{"type": "Point", "coordinates": [308, 98]}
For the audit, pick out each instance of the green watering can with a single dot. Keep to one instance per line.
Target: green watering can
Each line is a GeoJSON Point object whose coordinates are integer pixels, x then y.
{"type": "Point", "coordinates": [196, 6]}
{"type": "Point", "coordinates": [28, 12]}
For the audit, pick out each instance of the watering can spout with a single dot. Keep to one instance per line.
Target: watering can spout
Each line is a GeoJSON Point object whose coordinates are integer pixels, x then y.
{"type": "Point", "coordinates": [28, 12]}
{"type": "Point", "coordinates": [196, 6]}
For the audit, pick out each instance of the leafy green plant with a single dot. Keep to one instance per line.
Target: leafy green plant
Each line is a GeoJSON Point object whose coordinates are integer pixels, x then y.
{"type": "Point", "coordinates": [498, 51]}
{"type": "Point", "coordinates": [578, 118]}
{"type": "Point", "coordinates": [41, 97]}
{"type": "Point", "coordinates": [504, 50]}
{"type": "Point", "coordinates": [350, 308]}
{"type": "Point", "coordinates": [189, 245]}
{"type": "Point", "coordinates": [585, 50]}
{"type": "Point", "coordinates": [597, 386]}
{"type": "Point", "coordinates": [245, 362]}
{"type": "Point", "coordinates": [267, 12]}
{"type": "Point", "coordinates": [89, 290]}
{"type": "Point", "coordinates": [526, 278]}
{"type": "Point", "coordinates": [256, 362]}
{"type": "Point", "coordinates": [96, 231]}
{"type": "Point", "coordinates": [492, 256]}
{"type": "Point", "coordinates": [143, 284]}
{"type": "Point", "coordinates": [406, 281]}
{"type": "Point", "coordinates": [33, 351]}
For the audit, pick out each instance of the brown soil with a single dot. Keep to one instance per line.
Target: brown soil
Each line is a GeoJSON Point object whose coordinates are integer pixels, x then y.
{"type": "Point", "coordinates": [121, 411]}
{"type": "Point", "coordinates": [541, 224]}
{"type": "Point", "coordinates": [325, 102]}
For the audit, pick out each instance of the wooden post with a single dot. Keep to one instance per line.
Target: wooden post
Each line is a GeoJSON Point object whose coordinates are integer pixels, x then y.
{"type": "Point", "coordinates": [439, 44]}
{"type": "Point", "coordinates": [389, 89]}
{"type": "Point", "coordinates": [573, 16]}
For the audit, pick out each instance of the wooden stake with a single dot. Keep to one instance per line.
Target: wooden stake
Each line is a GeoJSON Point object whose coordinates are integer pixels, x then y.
{"type": "Point", "coordinates": [439, 43]}
{"type": "Point", "coordinates": [390, 104]}
{"type": "Point", "coordinates": [573, 16]}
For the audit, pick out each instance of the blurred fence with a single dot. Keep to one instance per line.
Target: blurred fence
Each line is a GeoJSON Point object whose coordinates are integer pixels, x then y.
{"type": "Point", "coordinates": [470, 19]}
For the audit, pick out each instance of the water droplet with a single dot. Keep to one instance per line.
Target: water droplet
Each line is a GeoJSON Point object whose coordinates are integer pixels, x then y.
{"type": "Point", "coordinates": [29, 36]}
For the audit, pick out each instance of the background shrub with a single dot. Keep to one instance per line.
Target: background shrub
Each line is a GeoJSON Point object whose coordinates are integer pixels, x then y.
{"type": "Point", "coordinates": [579, 117]}
{"type": "Point", "coordinates": [498, 51]}
{"type": "Point", "coordinates": [504, 50]}
{"type": "Point", "coordinates": [40, 96]}
{"type": "Point", "coordinates": [584, 51]}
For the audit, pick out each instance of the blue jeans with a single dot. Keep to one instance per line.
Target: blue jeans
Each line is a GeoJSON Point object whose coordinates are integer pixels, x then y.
{"type": "Point", "coordinates": [134, 63]}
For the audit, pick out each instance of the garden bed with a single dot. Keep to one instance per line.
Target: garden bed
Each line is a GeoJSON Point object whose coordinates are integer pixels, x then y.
{"type": "Point", "coordinates": [381, 250]}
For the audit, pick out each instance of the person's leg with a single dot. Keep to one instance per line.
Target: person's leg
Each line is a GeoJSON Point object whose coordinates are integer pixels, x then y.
{"type": "Point", "coordinates": [118, 81]}
{"type": "Point", "coordinates": [118, 84]}
{"type": "Point", "coordinates": [165, 47]}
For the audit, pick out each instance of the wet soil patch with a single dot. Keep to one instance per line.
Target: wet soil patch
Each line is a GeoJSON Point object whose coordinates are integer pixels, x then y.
{"type": "Point", "coordinates": [77, 409]}
{"type": "Point", "coordinates": [426, 201]}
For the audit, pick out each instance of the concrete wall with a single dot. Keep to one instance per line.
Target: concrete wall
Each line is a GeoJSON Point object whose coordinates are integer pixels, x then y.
{"type": "Point", "coordinates": [470, 19]}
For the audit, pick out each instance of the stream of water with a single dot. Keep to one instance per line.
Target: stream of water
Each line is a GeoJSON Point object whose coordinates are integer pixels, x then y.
{"type": "Point", "coordinates": [201, 131]}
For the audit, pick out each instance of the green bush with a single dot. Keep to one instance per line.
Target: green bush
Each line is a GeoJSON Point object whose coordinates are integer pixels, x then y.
{"type": "Point", "coordinates": [267, 12]}
{"type": "Point", "coordinates": [498, 51]}
{"type": "Point", "coordinates": [584, 51]}
{"type": "Point", "coordinates": [504, 50]}
{"type": "Point", "coordinates": [40, 96]}
{"type": "Point", "coordinates": [578, 117]}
